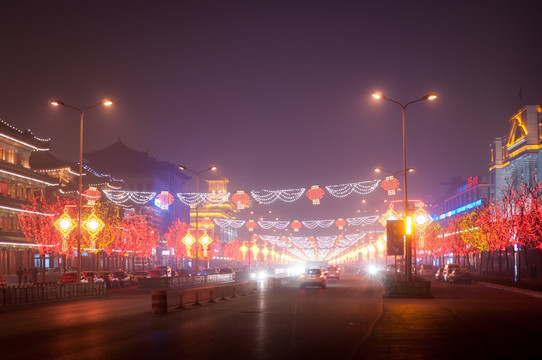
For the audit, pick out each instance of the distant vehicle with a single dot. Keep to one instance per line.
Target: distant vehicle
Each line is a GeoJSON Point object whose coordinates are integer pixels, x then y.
{"type": "Point", "coordinates": [448, 268]}
{"type": "Point", "coordinates": [312, 277]}
{"type": "Point", "coordinates": [426, 270]}
{"type": "Point", "coordinates": [3, 282]}
{"type": "Point", "coordinates": [124, 278]}
{"type": "Point", "coordinates": [71, 278]}
{"type": "Point", "coordinates": [439, 275]}
{"type": "Point", "coordinates": [227, 270]}
{"type": "Point", "coordinates": [333, 272]}
{"type": "Point", "coordinates": [111, 281]}
{"type": "Point", "coordinates": [165, 271]}
{"type": "Point", "coordinates": [460, 275]}
{"type": "Point", "coordinates": [93, 276]}
{"type": "Point", "coordinates": [181, 272]}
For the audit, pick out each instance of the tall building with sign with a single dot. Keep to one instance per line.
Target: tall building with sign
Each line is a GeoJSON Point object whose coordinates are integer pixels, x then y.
{"type": "Point", "coordinates": [516, 157]}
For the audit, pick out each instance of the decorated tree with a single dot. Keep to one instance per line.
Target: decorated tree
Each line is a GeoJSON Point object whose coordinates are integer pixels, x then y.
{"type": "Point", "coordinates": [108, 214]}
{"type": "Point", "coordinates": [38, 225]}
{"type": "Point", "coordinates": [174, 237]}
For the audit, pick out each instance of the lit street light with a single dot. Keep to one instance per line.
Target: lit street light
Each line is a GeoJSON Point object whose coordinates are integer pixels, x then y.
{"type": "Point", "coordinates": [105, 102]}
{"type": "Point", "coordinates": [197, 173]}
{"type": "Point", "coordinates": [408, 235]}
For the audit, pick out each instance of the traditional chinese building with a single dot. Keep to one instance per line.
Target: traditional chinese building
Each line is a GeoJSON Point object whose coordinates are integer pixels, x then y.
{"type": "Point", "coordinates": [19, 185]}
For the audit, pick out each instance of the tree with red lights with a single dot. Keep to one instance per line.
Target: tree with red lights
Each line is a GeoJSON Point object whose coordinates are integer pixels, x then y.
{"type": "Point", "coordinates": [37, 224]}
{"type": "Point", "coordinates": [177, 231]}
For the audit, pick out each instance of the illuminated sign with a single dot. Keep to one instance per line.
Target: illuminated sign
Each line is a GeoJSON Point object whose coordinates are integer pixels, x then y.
{"type": "Point", "coordinates": [459, 210]}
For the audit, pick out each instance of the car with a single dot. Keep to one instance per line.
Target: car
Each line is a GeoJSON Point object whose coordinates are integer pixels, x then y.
{"type": "Point", "coordinates": [333, 272]}
{"type": "Point", "coordinates": [93, 276]}
{"type": "Point", "coordinates": [138, 275]}
{"type": "Point", "coordinates": [181, 272]}
{"type": "Point", "coordinates": [71, 278]}
{"type": "Point", "coordinates": [448, 268]}
{"type": "Point", "coordinates": [460, 275]}
{"type": "Point", "coordinates": [439, 276]}
{"type": "Point", "coordinates": [312, 277]}
{"type": "Point", "coordinates": [124, 278]}
{"type": "Point", "coordinates": [3, 282]}
{"type": "Point", "coordinates": [165, 271]}
{"type": "Point", "coordinates": [111, 281]}
{"type": "Point", "coordinates": [227, 270]}
{"type": "Point", "coordinates": [426, 270]}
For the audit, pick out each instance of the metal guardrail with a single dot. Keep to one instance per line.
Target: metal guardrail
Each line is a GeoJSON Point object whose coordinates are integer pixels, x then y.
{"type": "Point", "coordinates": [183, 281]}
{"type": "Point", "coordinates": [48, 292]}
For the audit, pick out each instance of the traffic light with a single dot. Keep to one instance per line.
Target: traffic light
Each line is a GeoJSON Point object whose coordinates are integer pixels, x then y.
{"type": "Point", "coordinates": [395, 232]}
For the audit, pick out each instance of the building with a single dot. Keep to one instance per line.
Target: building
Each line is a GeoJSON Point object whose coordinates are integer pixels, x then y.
{"type": "Point", "coordinates": [19, 185]}
{"type": "Point", "coordinates": [517, 157]}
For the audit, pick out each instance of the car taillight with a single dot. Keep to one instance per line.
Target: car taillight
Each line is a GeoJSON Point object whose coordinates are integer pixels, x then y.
{"type": "Point", "coordinates": [322, 276]}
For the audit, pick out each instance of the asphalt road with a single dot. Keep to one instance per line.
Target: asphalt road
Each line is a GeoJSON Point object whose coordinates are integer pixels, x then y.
{"type": "Point", "coordinates": [348, 320]}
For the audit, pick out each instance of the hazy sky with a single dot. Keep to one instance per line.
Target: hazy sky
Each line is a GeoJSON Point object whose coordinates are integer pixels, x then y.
{"type": "Point", "coordinates": [276, 93]}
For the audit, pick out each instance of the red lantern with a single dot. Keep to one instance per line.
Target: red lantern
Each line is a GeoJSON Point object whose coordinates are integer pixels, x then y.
{"type": "Point", "coordinates": [251, 225]}
{"type": "Point", "coordinates": [164, 199]}
{"type": "Point", "coordinates": [296, 225]}
{"type": "Point", "coordinates": [92, 195]}
{"type": "Point", "coordinates": [241, 199]}
{"type": "Point", "coordinates": [315, 193]}
{"type": "Point", "coordinates": [390, 184]}
{"type": "Point", "coordinates": [340, 223]}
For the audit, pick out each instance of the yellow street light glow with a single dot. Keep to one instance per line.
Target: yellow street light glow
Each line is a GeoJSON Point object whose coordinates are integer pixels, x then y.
{"type": "Point", "coordinates": [377, 95]}
{"type": "Point", "coordinates": [107, 102]}
{"type": "Point", "coordinates": [408, 225]}
{"type": "Point", "coordinates": [430, 97]}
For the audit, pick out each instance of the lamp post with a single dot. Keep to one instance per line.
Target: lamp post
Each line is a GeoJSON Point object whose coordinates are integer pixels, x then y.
{"type": "Point", "coordinates": [197, 173]}
{"type": "Point", "coordinates": [105, 102]}
{"type": "Point", "coordinates": [408, 234]}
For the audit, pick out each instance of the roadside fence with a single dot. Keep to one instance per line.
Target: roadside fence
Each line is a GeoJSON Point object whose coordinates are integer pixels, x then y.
{"type": "Point", "coordinates": [48, 292]}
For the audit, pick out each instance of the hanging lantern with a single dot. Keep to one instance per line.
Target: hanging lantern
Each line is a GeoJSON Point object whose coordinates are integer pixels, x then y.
{"type": "Point", "coordinates": [163, 200]}
{"type": "Point", "coordinates": [188, 240]}
{"type": "Point", "coordinates": [241, 200]}
{"type": "Point", "coordinates": [341, 223]}
{"type": "Point", "coordinates": [92, 195]}
{"type": "Point", "coordinates": [93, 225]}
{"type": "Point", "coordinates": [251, 225]}
{"type": "Point", "coordinates": [390, 184]}
{"type": "Point", "coordinates": [315, 193]}
{"type": "Point", "coordinates": [265, 252]}
{"type": "Point", "coordinates": [205, 240]}
{"type": "Point", "coordinates": [255, 250]}
{"type": "Point", "coordinates": [296, 225]}
{"type": "Point", "coordinates": [65, 224]}
{"type": "Point", "coordinates": [244, 249]}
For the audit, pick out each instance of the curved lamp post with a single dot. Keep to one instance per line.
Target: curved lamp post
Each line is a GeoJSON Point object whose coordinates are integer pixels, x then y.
{"type": "Point", "coordinates": [197, 173]}
{"type": "Point", "coordinates": [408, 234]}
{"type": "Point", "coordinates": [105, 102]}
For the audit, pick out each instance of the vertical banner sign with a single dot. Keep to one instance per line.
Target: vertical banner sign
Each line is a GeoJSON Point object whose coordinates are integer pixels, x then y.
{"type": "Point", "coordinates": [395, 231]}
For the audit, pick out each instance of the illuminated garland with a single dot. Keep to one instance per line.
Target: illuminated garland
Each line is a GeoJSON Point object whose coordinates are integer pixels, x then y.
{"type": "Point", "coordinates": [313, 224]}
{"type": "Point", "coordinates": [270, 196]}
{"type": "Point", "coordinates": [194, 199]}
{"type": "Point", "coordinates": [364, 220]}
{"type": "Point", "coordinates": [224, 223]}
{"type": "Point", "coordinates": [362, 188]}
{"type": "Point", "coordinates": [273, 224]}
{"type": "Point", "coordinates": [122, 196]}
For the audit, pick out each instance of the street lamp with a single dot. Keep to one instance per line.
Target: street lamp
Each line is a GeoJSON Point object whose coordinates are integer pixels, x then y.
{"type": "Point", "coordinates": [105, 102]}
{"type": "Point", "coordinates": [197, 173]}
{"type": "Point", "coordinates": [408, 234]}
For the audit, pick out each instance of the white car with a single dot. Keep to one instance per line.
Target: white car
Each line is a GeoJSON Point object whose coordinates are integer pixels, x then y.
{"type": "Point", "coordinates": [312, 277]}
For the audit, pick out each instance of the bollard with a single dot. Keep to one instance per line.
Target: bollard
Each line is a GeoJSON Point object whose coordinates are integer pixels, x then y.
{"type": "Point", "coordinates": [233, 296]}
{"type": "Point", "coordinates": [223, 297]}
{"type": "Point", "coordinates": [159, 301]}
{"type": "Point", "coordinates": [196, 303]}
{"type": "Point", "coordinates": [211, 300]}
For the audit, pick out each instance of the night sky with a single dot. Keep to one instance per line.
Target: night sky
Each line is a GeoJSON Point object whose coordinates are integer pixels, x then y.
{"type": "Point", "coordinates": [276, 93]}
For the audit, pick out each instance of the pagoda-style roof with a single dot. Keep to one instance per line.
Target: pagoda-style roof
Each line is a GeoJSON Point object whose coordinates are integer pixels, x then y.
{"type": "Point", "coordinates": [23, 137]}
{"type": "Point", "coordinates": [44, 160]}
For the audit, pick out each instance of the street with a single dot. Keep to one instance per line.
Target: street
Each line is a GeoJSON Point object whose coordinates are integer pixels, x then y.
{"type": "Point", "coordinates": [348, 320]}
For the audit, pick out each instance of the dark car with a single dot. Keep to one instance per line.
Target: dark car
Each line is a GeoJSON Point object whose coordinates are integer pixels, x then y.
{"type": "Point", "coordinates": [71, 278]}
{"type": "Point", "coordinates": [124, 278]}
{"type": "Point", "coordinates": [460, 275]}
{"type": "Point", "coordinates": [111, 281]}
{"type": "Point", "coordinates": [312, 277]}
{"type": "Point", "coordinates": [93, 276]}
{"type": "Point", "coordinates": [439, 275]}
